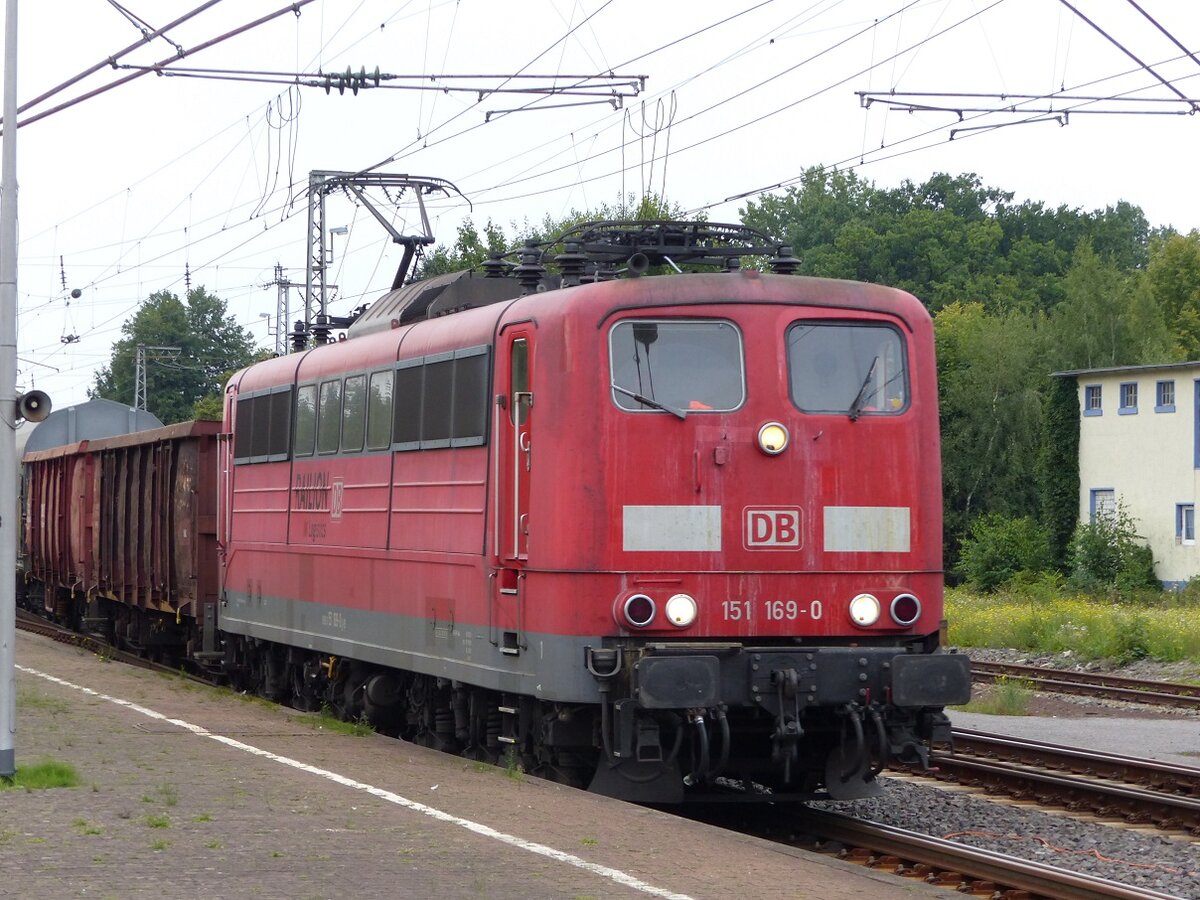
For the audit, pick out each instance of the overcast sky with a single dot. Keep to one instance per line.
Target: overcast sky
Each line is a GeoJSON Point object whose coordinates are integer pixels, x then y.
{"type": "Point", "coordinates": [167, 178]}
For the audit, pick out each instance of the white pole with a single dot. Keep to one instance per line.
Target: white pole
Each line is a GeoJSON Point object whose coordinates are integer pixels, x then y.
{"type": "Point", "coordinates": [8, 404]}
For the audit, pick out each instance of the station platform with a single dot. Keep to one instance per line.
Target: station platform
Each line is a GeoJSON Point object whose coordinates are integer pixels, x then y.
{"type": "Point", "coordinates": [189, 791]}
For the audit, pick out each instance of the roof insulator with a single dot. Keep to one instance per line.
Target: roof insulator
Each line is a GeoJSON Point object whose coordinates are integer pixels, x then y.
{"type": "Point", "coordinates": [572, 263]}
{"type": "Point", "coordinates": [530, 271]}
{"type": "Point", "coordinates": [493, 267]}
{"type": "Point", "coordinates": [784, 263]}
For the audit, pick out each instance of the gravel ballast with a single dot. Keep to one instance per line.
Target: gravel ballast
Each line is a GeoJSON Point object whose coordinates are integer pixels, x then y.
{"type": "Point", "coordinates": [1138, 858]}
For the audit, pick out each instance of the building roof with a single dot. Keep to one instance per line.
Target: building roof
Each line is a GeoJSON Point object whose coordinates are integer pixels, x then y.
{"type": "Point", "coordinates": [1112, 370]}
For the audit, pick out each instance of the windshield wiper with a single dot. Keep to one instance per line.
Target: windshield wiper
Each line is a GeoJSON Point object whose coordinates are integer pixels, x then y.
{"type": "Point", "coordinates": [860, 399]}
{"type": "Point", "coordinates": [646, 401]}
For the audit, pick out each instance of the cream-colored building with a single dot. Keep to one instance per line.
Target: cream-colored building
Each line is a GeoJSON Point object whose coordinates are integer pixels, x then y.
{"type": "Point", "coordinates": [1139, 445]}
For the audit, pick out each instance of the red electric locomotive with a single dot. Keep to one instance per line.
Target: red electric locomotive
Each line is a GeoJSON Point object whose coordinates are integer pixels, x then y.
{"type": "Point", "coordinates": [662, 535]}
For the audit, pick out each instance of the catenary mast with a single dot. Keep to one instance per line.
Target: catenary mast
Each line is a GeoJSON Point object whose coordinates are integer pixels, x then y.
{"type": "Point", "coordinates": [8, 403]}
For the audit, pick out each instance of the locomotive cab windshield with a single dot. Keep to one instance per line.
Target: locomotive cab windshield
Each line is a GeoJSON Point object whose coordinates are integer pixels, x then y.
{"type": "Point", "coordinates": [849, 368]}
{"type": "Point", "coordinates": [677, 365]}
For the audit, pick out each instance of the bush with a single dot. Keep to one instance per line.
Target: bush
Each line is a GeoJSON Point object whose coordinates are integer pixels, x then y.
{"type": "Point", "coordinates": [999, 547]}
{"type": "Point", "coordinates": [1107, 554]}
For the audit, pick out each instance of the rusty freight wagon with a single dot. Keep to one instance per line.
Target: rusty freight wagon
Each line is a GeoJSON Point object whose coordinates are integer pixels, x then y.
{"type": "Point", "coordinates": [127, 526]}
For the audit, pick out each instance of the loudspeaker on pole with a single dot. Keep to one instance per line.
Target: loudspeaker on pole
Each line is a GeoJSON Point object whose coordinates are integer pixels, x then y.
{"type": "Point", "coordinates": [33, 406]}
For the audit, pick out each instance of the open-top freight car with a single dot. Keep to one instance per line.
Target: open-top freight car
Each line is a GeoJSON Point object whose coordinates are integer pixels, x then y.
{"type": "Point", "coordinates": [661, 534]}
{"type": "Point", "coordinates": [120, 536]}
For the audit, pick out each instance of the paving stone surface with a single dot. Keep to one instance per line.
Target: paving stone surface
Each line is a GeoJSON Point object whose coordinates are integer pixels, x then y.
{"type": "Point", "coordinates": [163, 811]}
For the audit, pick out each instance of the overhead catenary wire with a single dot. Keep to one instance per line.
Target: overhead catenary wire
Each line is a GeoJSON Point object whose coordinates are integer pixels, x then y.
{"type": "Point", "coordinates": [1170, 37]}
{"type": "Point", "coordinates": [104, 63]}
{"type": "Point", "coordinates": [711, 107]}
{"type": "Point", "coordinates": [1131, 55]}
{"type": "Point", "coordinates": [250, 26]}
{"type": "Point", "coordinates": [497, 192]}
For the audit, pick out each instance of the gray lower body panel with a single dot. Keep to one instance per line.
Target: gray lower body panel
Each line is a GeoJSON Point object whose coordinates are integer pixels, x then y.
{"type": "Point", "coordinates": [549, 667]}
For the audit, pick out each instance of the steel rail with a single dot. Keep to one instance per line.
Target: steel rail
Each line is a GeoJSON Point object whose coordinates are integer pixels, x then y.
{"type": "Point", "coordinates": [1163, 777]}
{"type": "Point", "coordinates": [1091, 684]}
{"type": "Point", "coordinates": [972, 864]}
{"type": "Point", "coordinates": [1075, 793]}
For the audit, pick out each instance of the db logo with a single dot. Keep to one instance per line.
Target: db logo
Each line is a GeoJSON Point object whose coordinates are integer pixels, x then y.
{"type": "Point", "coordinates": [771, 527]}
{"type": "Point", "coordinates": [337, 495]}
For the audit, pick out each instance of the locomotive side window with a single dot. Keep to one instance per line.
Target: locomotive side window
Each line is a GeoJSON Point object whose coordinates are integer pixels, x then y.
{"type": "Point", "coordinates": [354, 413]}
{"type": "Point", "coordinates": [306, 419]}
{"type": "Point", "coordinates": [677, 366]}
{"type": "Point", "coordinates": [520, 380]}
{"type": "Point", "coordinates": [263, 426]}
{"type": "Point", "coordinates": [470, 398]}
{"type": "Point", "coordinates": [329, 417]}
{"type": "Point", "coordinates": [379, 411]}
{"type": "Point", "coordinates": [244, 430]}
{"type": "Point", "coordinates": [410, 385]}
{"type": "Point", "coordinates": [438, 403]}
{"type": "Point", "coordinates": [848, 368]}
{"type": "Point", "coordinates": [280, 429]}
{"type": "Point", "coordinates": [441, 400]}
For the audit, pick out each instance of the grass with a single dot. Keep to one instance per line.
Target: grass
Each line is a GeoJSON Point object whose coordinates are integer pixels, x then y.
{"type": "Point", "coordinates": [49, 773]}
{"type": "Point", "coordinates": [27, 699]}
{"type": "Point", "coordinates": [512, 765]}
{"type": "Point", "coordinates": [158, 820]}
{"type": "Point", "coordinates": [328, 720]}
{"type": "Point", "coordinates": [86, 827]}
{"type": "Point", "coordinates": [1007, 697]}
{"type": "Point", "coordinates": [168, 794]}
{"type": "Point", "coordinates": [1166, 629]}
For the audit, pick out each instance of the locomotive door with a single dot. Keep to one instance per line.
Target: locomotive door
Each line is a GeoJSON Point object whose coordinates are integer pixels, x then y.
{"type": "Point", "coordinates": [514, 469]}
{"type": "Point", "coordinates": [517, 451]}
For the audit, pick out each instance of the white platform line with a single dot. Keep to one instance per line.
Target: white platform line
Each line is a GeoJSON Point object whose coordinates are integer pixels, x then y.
{"type": "Point", "coordinates": [622, 878]}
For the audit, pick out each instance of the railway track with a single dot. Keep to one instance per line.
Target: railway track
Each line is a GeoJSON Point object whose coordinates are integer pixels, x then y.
{"type": "Point", "coordinates": [33, 624]}
{"type": "Point", "coordinates": [912, 855]}
{"type": "Point", "coordinates": [1091, 684]}
{"type": "Point", "coordinates": [969, 870]}
{"type": "Point", "coordinates": [1136, 791]}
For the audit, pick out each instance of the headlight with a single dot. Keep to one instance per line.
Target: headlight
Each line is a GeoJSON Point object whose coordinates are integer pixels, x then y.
{"type": "Point", "coordinates": [772, 439]}
{"type": "Point", "coordinates": [864, 610]}
{"type": "Point", "coordinates": [638, 610]}
{"type": "Point", "coordinates": [906, 609]}
{"type": "Point", "coordinates": [681, 610]}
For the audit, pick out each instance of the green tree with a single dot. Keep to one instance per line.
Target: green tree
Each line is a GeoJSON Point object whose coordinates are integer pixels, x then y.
{"type": "Point", "coordinates": [211, 343]}
{"type": "Point", "coordinates": [990, 378]}
{"type": "Point", "coordinates": [1058, 466]}
{"type": "Point", "coordinates": [1089, 331]}
{"type": "Point", "coordinates": [467, 252]}
{"type": "Point", "coordinates": [1173, 280]}
{"type": "Point", "coordinates": [471, 249]}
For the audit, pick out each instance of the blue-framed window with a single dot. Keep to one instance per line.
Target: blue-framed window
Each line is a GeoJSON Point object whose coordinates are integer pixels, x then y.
{"type": "Point", "coordinates": [1103, 503]}
{"type": "Point", "coordinates": [1128, 395]}
{"type": "Point", "coordinates": [1093, 400]}
{"type": "Point", "coordinates": [1164, 397]}
{"type": "Point", "coordinates": [1185, 523]}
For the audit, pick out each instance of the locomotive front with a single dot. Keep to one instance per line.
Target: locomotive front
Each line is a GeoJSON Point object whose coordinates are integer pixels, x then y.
{"type": "Point", "coordinates": [737, 487]}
